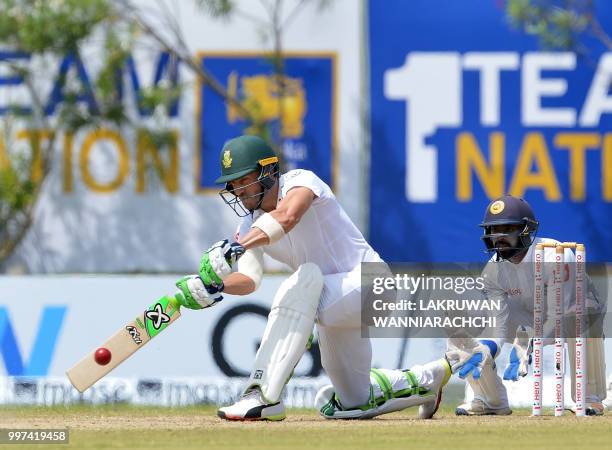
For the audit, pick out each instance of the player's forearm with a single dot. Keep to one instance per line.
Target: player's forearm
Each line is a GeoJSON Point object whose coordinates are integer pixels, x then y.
{"type": "Point", "coordinates": [273, 225]}
{"type": "Point", "coordinates": [254, 238]}
{"type": "Point", "coordinates": [238, 284]}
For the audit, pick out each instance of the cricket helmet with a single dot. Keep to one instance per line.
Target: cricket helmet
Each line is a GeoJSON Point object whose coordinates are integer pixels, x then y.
{"type": "Point", "coordinates": [239, 157]}
{"type": "Point", "coordinates": [509, 210]}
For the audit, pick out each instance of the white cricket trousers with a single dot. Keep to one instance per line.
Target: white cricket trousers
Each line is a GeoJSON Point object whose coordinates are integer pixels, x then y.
{"type": "Point", "coordinates": [345, 355]}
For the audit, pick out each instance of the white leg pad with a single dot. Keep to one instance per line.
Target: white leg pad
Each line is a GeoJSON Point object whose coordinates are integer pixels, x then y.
{"type": "Point", "coordinates": [596, 389]}
{"type": "Point", "coordinates": [289, 327]}
{"type": "Point", "coordinates": [489, 388]}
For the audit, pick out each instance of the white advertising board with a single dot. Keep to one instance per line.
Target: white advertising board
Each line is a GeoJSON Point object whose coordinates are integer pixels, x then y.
{"type": "Point", "coordinates": [48, 323]}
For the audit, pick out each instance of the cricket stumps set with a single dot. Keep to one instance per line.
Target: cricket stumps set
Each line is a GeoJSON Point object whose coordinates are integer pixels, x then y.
{"type": "Point", "coordinates": [559, 346]}
{"type": "Point", "coordinates": [124, 343]}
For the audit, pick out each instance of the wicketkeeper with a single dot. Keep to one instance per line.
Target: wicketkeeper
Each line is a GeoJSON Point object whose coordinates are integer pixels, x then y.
{"type": "Point", "coordinates": [295, 218]}
{"type": "Point", "coordinates": [510, 230]}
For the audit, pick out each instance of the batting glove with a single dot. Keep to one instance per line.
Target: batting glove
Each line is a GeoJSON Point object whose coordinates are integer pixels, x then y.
{"type": "Point", "coordinates": [218, 260]}
{"type": "Point", "coordinates": [193, 294]}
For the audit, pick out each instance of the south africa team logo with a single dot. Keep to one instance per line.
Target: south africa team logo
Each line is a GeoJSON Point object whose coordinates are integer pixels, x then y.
{"type": "Point", "coordinates": [227, 159]}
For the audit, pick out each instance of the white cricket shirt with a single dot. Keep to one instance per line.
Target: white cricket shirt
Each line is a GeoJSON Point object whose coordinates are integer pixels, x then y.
{"type": "Point", "coordinates": [325, 235]}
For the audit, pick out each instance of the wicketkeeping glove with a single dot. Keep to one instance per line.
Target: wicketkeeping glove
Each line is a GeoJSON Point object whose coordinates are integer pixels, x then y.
{"type": "Point", "coordinates": [520, 355]}
{"type": "Point", "coordinates": [472, 360]}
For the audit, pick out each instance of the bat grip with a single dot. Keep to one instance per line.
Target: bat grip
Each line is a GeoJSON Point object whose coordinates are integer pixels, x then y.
{"type": "Point", "coordinates": [173, 301]}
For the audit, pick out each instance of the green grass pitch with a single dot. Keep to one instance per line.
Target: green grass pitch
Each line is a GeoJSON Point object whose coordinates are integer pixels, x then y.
{"type": "Point", "coordinates": [198, 427]}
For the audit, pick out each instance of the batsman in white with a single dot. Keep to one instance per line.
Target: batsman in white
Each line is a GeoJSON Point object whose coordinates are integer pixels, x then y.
{"type": "Point", "coordinates": [296, 219]}
{"type": "Point", "coordinates": [510, 228]}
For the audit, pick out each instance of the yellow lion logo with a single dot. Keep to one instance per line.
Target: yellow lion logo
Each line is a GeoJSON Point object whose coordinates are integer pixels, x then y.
{"type": "Point", "coordinates": [267, 98]}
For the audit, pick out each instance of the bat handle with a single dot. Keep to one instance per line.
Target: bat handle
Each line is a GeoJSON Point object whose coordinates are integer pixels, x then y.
{"type": "Point", "coordinates": [173, 301]}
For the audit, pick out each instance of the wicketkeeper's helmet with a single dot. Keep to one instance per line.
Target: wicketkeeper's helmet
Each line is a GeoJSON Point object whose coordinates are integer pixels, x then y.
{"type": "Point", "coordinates": [509, 210]}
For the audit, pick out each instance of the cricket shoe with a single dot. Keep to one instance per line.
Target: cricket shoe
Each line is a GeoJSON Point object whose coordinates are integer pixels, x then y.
{"type": "Point", "coordinates": [595, 409]}
{"type": "Point", "coordinates": [442, 372]}
{"type": "Point", "coordinates": [251, 406]}
{"type": "Point", "coordinates": [478, 408]}
{"type": "Point", "coordinates": [329, 405]}
{"type": "Point", "coordinates": [591, 409]}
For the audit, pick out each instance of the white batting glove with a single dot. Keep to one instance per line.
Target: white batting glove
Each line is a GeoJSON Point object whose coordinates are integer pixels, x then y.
{"type": "Point", "coordinates": [194, 295]}
{"type": "Point", "coordinates": [217, 261]}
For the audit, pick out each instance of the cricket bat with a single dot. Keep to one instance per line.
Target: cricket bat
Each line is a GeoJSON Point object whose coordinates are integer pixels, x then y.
{"type": "Point", "coordinates": [129, 339]}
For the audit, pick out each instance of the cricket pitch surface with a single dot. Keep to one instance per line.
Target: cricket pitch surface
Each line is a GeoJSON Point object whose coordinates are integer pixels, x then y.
{"type": "Point", "coordinates": [198, 427]}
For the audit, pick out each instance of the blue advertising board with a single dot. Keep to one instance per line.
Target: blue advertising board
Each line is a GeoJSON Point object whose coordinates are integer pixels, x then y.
{"type": "Point", "coordinates": [14, 359]}
{"type": "Point", "coordinates": [304, 121]}
{"type": "Point", "coordinates": [465, 108]}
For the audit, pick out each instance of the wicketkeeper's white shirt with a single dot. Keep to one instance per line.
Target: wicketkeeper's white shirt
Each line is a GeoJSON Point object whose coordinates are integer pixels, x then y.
{"type": "Point", "coordinates": [514, 285]}
{"type": "Point", "coordinates": [325, 235]}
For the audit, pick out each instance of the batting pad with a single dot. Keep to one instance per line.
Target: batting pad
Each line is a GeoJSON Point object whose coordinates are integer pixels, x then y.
{"type": "Point", "coordinates": [289, 327]}
{"type": "Point", "coordinates": [596, 386]}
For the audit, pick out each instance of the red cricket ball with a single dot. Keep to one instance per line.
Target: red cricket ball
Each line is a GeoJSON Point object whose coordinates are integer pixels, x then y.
{"type": "Point", "coordinates": [102, 356]}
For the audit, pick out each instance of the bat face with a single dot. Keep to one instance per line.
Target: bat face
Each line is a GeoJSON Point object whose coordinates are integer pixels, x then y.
{"type": "Point", "coordinates": [124, 343]}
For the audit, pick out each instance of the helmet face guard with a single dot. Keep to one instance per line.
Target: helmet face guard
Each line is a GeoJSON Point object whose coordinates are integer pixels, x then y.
{"type": "Point", "coordinates": [268, 175]}
{"type": "Point", "coordinates": [525, 237]}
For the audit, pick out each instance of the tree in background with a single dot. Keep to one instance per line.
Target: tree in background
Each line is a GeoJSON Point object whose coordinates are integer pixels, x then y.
{"type": "Point", "coordinates": [278, 17]}
{"type": "Point", "coordinates": [36, 34]}
{"type": "Point", "coordinates": [43, 31]}
{"type": "Point", "coordinates": [558, 24]}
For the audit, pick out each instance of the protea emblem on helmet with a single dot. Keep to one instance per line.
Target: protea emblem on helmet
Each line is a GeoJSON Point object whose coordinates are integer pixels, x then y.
{"type": "Point", "coordinates": [497, 207]}
{"type": "Point", "coordinates": [227, 159]}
